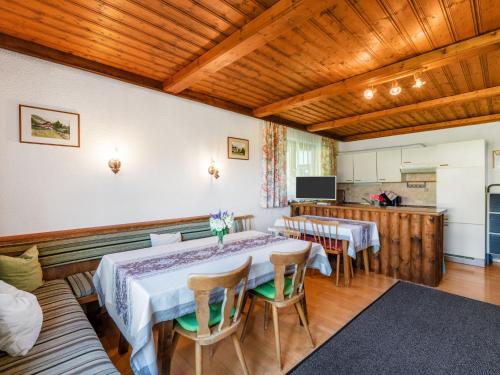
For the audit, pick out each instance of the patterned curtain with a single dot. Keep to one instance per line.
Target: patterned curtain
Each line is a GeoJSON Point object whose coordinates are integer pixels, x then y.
{"type": "Point", "coordinates": [273, 190]}
{"type": "Point", "coordinates": [328, 157]}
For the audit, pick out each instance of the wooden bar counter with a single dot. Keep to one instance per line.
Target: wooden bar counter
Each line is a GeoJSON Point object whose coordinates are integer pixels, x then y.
{"type": "Point", "coordinates": [411, 238]}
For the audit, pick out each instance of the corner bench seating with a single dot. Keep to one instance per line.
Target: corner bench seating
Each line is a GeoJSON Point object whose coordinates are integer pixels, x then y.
{"type": "Point", "coordinates": [68, 343]}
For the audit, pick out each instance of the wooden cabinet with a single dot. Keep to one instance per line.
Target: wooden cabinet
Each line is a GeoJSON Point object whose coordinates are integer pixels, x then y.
{"type": "Point", "coordinates": [345, 168]}
{"type": "Point", "coordinates": [388, 165]}
{"type": "Point", "coordinates": [365, 167]}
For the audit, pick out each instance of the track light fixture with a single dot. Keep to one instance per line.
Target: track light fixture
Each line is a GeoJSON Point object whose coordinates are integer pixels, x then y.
{"type": "Point", "coordinates": [418, 81]}
{"type": "Point", "coordinates": [395, 89]}
{"type": "Point", "coordinates": [369, 93]}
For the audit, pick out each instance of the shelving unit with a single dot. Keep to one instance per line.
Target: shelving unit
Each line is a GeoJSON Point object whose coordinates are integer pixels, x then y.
{"type": "Point", "coordinates": [493, 226]}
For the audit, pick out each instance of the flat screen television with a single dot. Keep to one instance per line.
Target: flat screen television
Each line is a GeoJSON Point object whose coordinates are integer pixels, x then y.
{"type": "Point", "coordinates": [321, 187]}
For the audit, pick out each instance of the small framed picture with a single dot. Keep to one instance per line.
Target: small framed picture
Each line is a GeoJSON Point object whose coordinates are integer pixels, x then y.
{"type": "Point", "coordinates": [48, 127]}
{"type": "Point", "coordinates": [496, 159]}
{"type": "Point", "coordinates": [238, 148]}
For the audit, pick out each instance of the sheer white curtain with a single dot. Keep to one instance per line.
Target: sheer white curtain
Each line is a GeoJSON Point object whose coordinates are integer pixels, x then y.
{"type": "Point", "coordinates": [303, 157]}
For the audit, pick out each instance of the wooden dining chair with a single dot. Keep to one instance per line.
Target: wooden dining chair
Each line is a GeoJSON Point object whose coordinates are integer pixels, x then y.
{"type": "Point", "coordinates": [211, 323]}
{"type": "Point", "coordinates": [296, 224]}
{"type": "Point", "coordinates": [294, 234]}
{"type": "Point", "coordinates": [326, 233]}
{"type": "Point", "coordinates": [244, 223]}
{"type": "Point", "coordinates": [282, 292]}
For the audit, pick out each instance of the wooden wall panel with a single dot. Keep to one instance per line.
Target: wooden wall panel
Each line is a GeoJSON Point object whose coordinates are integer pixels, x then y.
{"type": "Point", "coordinates": [395, 242]}
{"type": "Point", "coordinates": [416, 248]}
{"type": "Point", "coordinates": [405, 247]}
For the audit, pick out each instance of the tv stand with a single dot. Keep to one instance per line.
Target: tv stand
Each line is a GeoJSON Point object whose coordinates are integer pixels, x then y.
{"type": "Point", "coordinates": [322, 203]}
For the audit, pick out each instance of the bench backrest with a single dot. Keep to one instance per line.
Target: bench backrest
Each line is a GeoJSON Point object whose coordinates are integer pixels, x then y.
{"type": "Point", "coordinates": [70, 251]}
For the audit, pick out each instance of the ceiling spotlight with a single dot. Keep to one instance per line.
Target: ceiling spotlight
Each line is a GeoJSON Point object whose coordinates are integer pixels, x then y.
{"type": "Point", "coordinates": [369, 93]}
{"type": "Point", "coordinates": [395, 89]}
{"type": "Point", "coordinates": [418, 81]}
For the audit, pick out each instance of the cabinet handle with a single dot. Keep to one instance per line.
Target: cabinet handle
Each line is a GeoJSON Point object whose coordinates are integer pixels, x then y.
{"type": "Point", "coordinates": [381, 179]}
{"type": "Point", "coordinates": [407, 162]}
{"type": "Point", "coordinates": [443, 165]}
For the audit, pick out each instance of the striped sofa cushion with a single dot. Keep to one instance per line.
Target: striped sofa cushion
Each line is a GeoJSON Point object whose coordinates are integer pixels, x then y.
{"type": "Point", "coordinates": [82, 284]}
{"type": "Point", "coordinates": [67, 343]}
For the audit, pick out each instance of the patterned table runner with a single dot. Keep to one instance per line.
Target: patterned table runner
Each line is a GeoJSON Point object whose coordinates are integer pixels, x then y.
{"type": "Point", "coordinates": [366, 228]}
{"type": "Point", "coordinates": [140, 268]}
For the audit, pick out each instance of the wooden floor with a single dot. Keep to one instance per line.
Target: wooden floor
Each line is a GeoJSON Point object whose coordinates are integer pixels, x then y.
{"type": "Point", "coordinates": [330, 308]}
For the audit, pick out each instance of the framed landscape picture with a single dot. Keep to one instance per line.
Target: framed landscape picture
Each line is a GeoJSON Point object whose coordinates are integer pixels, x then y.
{"type": "Point", "coordinates": [238, 148]}
{"type": "Point", "coordinates": [48, 127]}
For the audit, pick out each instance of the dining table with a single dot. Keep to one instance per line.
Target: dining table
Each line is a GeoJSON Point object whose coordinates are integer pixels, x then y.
{"type": "Point", "coordinates": [356, 236]}
{"type": "Point", "coordinates": [148, 287]}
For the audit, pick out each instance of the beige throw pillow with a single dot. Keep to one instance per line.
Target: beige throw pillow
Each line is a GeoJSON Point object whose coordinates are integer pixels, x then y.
{"type": "Point", "coordinates": [23, 272]}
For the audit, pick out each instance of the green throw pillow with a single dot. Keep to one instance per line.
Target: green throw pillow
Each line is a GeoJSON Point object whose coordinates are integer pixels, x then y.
{"type": "Point", "coordinates": [24, 272]}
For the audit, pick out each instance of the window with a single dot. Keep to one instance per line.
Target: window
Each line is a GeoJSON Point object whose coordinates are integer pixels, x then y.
{"type": "Point", "coordinates": [303, 157]}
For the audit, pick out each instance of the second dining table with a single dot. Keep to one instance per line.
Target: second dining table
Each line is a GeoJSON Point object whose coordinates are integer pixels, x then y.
{"type": "Point", "coordinates": [142, 288]}
{"type": "Point", "coordinates": [356, 236]}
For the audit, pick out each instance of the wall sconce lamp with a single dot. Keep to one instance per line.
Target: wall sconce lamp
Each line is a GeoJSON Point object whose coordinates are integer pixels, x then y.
{"type": "Point", "coordinates": [213, 171]}
{"type": "Point", "coordinates": [115, 165]}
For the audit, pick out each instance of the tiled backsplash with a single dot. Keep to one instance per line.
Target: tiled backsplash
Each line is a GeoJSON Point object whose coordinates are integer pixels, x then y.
{"type": "Point", "coordinates": [414, 196]}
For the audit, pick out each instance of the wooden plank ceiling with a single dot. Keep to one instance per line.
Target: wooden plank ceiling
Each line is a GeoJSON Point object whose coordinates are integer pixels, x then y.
{"type": "Point", "coordinates": [304, 63]}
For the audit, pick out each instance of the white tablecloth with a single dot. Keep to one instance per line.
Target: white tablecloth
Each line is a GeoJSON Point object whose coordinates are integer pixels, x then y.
{"type": "Point", "coordinates": [360, 234]}
{"type": "Point", "coordinates": [143, 287]}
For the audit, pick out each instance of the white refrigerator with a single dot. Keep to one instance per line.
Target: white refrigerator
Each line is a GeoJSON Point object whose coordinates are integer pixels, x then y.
{"type": "Point", "coordinates": [461, 191]}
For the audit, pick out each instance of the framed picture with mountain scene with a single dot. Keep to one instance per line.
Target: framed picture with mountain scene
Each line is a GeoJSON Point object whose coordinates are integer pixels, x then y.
{"type": "Point", "coordinates": [237, 148]}
{"type": "Point", "coordinates": [48, 127]}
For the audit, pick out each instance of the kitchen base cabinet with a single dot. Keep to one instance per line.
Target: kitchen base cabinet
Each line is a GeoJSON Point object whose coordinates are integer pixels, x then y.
{"type": "Point", "coordinates": [411, 238]}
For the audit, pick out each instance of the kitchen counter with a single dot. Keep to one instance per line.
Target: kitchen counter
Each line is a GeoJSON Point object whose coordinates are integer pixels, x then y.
{"type": "Point", "coordinates": [411, 238]}
{"type": "Point", "coordinates": [408, 209]}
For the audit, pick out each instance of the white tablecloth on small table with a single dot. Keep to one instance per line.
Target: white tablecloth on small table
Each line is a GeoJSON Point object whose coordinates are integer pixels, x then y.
{"type": "Point", "coordinates": [143, 287]}
{"type": "Point", "coordinates": [360, 234]}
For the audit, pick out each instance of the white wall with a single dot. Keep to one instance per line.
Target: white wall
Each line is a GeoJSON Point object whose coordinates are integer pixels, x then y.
{"type": "Point", "coordinates": [489, 132]}
{"type": "Point", "coordinates": [165, 144]}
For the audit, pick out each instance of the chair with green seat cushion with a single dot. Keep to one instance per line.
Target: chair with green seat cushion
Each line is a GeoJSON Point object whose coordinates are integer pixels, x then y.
{"type": "Point", "coordinates": [269, 291]}
{"type": "Point", "coordinates": [190, 323]}
{"type": "Point", "coordinates": [283, 292]}
{"type": "Point", "coordinates": [210, 324]}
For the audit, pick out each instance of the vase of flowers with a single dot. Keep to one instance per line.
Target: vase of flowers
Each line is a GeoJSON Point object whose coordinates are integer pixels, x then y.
{"type": "Point", "coordinates": [220, 224]}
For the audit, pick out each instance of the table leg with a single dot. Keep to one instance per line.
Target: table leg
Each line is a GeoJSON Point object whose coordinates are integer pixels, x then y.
{"type": "Point", "coordinates": [347, 271]}
{"type": "Point", "coordinates": [165, 334]}
{"type": "Point", "coordinates": [366, 262]}
{"type": "Point", "coordinates": [122, 345]}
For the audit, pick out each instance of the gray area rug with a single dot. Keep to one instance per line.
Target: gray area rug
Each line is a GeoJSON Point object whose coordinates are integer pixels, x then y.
{"type": "Point", "coordinates": [413, 329]}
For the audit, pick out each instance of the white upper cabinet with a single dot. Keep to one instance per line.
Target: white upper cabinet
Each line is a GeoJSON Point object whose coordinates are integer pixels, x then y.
{"type": "Point", "coordinates": [345, 168]}
{"type": "Point", "coordinates": [462, 154]}
{"type": "Point", "coordinates": [365, 167]}
{"type": "Point", "coordinates": [419, 156]}
{"type": "Point", "coordinates": [388, 165]}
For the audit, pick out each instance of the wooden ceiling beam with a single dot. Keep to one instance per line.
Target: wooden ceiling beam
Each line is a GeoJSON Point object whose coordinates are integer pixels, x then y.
{"type": "Point", "coordinates": [26, 47]}
{"type": "Point", "coordinates": [427, 61]}
{"type": "Point", "coordinates": [423, 128]}
{"type": "Point", "coordinates": [281, 17]}
{"type": "Point", "coordinates": [454, 99]}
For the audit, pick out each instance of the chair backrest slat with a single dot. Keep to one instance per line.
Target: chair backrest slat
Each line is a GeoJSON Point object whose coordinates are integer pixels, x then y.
{"type": "Point", "coordinates": [203, 285]}
{"type": "Point", "coordinates": [326, 233]}
{"type": "Point", "coordinates": [295, 224]}
{"type": "Point", "coordinates": [283, 260]}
